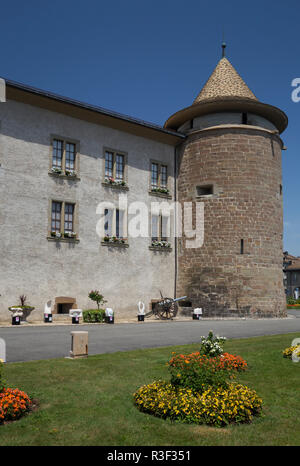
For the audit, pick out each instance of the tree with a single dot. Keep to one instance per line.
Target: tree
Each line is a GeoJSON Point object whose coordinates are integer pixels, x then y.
{"type": "Point", "coordinates": [95, 295]}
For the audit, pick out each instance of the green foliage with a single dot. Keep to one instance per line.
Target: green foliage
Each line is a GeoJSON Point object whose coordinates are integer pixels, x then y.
{"type": "Point", "coordinates": [24, 308]}
{"type": "Point", "coordinates": [291, 300]}
{"type": "Point", "coordinates": [96, 296]}
{"type": "Point", "coordinates": [93, 315]}
{"type": "Point", "coordinates": [199, 375]}
{"type": "Point", "coordinates": [212, 345]}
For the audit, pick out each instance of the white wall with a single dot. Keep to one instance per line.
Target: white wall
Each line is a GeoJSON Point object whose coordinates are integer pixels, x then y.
{"type": "Point", "coordinates": [43, 270]}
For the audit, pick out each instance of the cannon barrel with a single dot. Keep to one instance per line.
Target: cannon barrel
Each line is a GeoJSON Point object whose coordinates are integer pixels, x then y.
{"type": "Point", "coordinates": [179, 299]}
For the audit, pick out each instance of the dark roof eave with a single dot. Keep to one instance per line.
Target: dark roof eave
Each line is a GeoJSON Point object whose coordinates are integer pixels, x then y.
{"type": "Point", "coordinates": [169, 134]}
{"type": "Point", "coordinates": [273, 114]}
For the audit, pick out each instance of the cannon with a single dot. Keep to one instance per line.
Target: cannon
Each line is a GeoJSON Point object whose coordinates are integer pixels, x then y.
{"type": "Point", "coordinates": [166, 308]}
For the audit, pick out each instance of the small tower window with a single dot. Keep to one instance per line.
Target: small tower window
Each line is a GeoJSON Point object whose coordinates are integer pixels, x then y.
{"type": "Point", "coordinates": [242, 246]}
{"type": "Point", "coordinates": [280, 189]}
{"type": "Point", "coordinates": [205, 190]}
{"type": "Point", "coordinates": [244, 118]}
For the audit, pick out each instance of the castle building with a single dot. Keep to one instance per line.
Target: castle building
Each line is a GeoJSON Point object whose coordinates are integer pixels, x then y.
{"type": "Point", "coordinates": [60, 159]}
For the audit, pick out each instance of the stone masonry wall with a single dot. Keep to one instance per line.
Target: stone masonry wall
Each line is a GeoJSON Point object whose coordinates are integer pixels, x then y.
{"type": "Point", "coordinates": [245, 167]}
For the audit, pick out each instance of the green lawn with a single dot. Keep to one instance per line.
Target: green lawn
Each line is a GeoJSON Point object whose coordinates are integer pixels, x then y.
{"type": "Point", "coordinates": [89, 402]}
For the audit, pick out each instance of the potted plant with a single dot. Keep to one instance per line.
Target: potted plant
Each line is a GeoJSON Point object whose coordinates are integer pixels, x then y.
{"type": "Point", "coordinates": [23, 307]}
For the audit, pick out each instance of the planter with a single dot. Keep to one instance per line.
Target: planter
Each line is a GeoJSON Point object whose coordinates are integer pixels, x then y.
{"type": "Point", "coordinates": [25, 309]}
{"type": "Point", "coordinates": [109, 319]}
{"type": "Point", "coordinates": [47, 318]}
{"type": "Point", "coordinates": [16, 320]}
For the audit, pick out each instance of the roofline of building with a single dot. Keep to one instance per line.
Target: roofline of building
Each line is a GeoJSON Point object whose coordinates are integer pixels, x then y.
{"type": "Point", "coordinates": [228, 104]}
{"type": "Point", "coordinates": [82, 110]}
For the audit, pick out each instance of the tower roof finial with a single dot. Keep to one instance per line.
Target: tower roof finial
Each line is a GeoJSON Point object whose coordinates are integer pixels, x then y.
{"type": "Point", "coordinates": [223, 49]}
{"type": "Point", "coordinates": [223, 44]}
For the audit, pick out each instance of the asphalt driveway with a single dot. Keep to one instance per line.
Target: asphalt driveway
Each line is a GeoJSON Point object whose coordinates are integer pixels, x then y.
{"type": "Point", "coordinates": [27, 343]}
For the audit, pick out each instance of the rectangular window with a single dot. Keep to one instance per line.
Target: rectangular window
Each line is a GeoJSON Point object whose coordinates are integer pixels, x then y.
{"type": "Point", "coordinates": [114, 223]}
{"type": "Point", "coordinates": [164, 224]}
{"type": "Point", "coordinates": [56, 216]}
{"type": "Point", "coordinates": [108, 222]}
{"type": "Point", "coordinates": [159, 228]}
{"type": "Point", "coordinates": [154, 175]}
{"type": "Point", "coordinates": [69, 218]}
{"type": "Point", "coordinates": [159, 177]}
{"type": "Point", "coordinates": [57, 153]}
{"type": "Point", "coordinates": [109, 157]}
{"type": "Point", "coordinates": [242, 246]}
{"type": "Point", "coordinates": [115, 165]}
{"type": "Point", "coordinates": [163, 176]}
{"type": "Point", "coordinates": [63, 156]}
{"type": "Point", "coordinates": [63, 219]}
{"type": "Point", "coordinates": [205, 190]}
{"type": "Point", "coordinates": [155, 227]}
{"type": "Point", "coordinates": [119, 167]}
{"type": "Point", "coordinates": [119, 223]}
{"type": "Point", "coordinates": [70, 156]}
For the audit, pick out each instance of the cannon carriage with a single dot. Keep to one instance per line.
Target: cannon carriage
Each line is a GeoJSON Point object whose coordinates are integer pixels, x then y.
{"type": "Point", "coordinates": [165, 308]}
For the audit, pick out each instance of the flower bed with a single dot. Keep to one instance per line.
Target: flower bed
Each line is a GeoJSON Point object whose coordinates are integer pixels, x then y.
{"type": "Point", "coordinates": [218, 407]}
{"type": "Point", "coordinates": [13, 402]}
{"type": "Point", "coordinates": [226, 360]}
{"type": "Point", "coordinates": [201, 389]}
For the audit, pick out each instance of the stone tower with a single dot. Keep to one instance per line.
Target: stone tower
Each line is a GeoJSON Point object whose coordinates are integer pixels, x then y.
{"type": "Point", "coordinates": [231, 161]}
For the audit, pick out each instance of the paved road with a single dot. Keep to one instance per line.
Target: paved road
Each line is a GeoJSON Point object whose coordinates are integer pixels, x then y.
{"type": "Point", "coordinates": [25, 343]}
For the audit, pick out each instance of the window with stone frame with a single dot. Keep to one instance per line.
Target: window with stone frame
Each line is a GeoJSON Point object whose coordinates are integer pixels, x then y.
{"type": "Point", "coordinates": [64, 156]}
{"type": "Point", "coordinates": [62, 218]}
{"type": "Point", "coordinates": [115, 164]}
{"type": "Point", "coordinates": [69, 218]}
{"type": "Point", "coordinates": [56, 216]}
{"type": "Point", "coordinates": [114, 223]}
{"type": "Point", "coordinates": [159, 227]}
{"type": "Point", "coordinates": [159, 176]}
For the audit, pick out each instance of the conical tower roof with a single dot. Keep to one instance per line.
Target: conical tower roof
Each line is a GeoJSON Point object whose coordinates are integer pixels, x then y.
{"type": "Point", "coordinates": [224, 83]}
{"type": "Point", "coordinates": [226, 91]}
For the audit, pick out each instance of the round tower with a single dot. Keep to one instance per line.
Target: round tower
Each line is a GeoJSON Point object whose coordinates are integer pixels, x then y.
{"type": "Point", "coordinates": [231, 162]}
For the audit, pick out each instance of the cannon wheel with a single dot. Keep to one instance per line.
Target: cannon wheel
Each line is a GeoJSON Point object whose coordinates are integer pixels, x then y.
{"type": "Point", "coordinates": [165, 311]}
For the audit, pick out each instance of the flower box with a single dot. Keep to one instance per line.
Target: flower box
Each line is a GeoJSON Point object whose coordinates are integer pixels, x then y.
{"type": "Point", "coordinates": [161, 244]}
{"type": "Point", "coordinates": [109, 181]}
{"type": "Point", "coordinates": [160, 190]}
{"type": "Point", "coordinates": [114, 241]}
{"type": "Point", "coordinates": [69, 234]}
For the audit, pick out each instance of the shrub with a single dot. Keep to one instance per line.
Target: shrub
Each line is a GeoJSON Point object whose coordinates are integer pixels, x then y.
{"type": "Point", "coordinates": [287, 353]}
{"type": "Point", "coordinates": [291, 300]}
{"type": "Point", "coordinates": [226, 360]}
{"type": "Point", "coordinates": [212, 345]}
{"type": "Point", "coordinates": [215, 406]}
{"type": "Point", "coordinates": [13, 404]}
{"type": "Point", "coordinates": [199, 372]}
{"type": "Point", "coordinates": [93, 315]}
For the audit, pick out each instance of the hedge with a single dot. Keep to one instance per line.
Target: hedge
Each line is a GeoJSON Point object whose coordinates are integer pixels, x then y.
{"type": "Point", "coordinates": [93, 315]}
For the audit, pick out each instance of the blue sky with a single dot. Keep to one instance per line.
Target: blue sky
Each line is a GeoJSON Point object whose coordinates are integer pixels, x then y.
{"type": "Point", "coordinates": [149, 59]}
